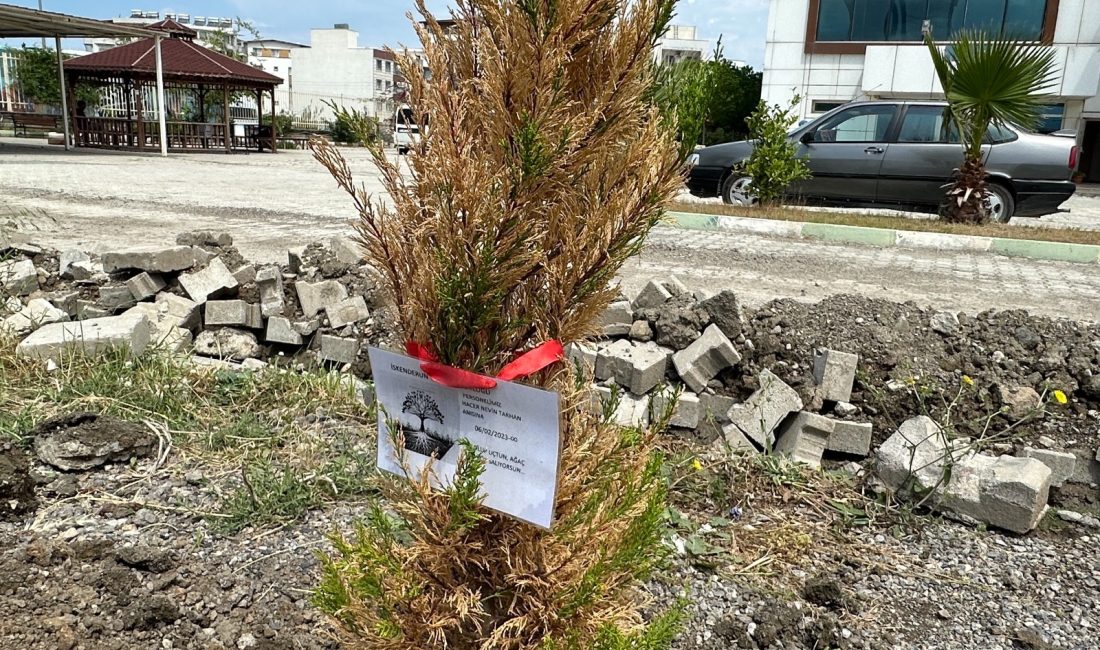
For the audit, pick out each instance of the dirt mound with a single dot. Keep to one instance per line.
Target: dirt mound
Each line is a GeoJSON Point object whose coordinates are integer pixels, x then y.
{"type": "Point", "coordinates": [82, 441]}
{"type": "Point", "coordinates": [16, 486]}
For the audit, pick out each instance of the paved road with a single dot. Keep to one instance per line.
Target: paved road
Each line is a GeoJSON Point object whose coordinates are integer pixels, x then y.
{"type": "Point", "coordinates": [102, 200]}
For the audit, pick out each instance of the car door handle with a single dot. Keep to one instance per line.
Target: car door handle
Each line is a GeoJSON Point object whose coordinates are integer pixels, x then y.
{"type": "Point", "coordinates": [875, 150]}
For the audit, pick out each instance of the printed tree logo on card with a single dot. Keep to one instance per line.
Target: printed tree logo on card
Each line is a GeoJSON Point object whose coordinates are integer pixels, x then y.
{"type": "Point", "coordinates": [423, 439]}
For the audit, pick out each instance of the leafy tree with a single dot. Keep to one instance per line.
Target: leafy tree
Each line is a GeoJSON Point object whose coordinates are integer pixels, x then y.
{"type": "Point", "coordinates": [36, 74]}
{"type": "Point", "coordinates": [734, 94]}
{"type": "Point", "coordinates": [774, 163]}
{"type": "Point", "coordinates": [682, 91]}
{"type": "Point", "coordinates": [987, 81]}
{"type": "Point", "coordinates": [352, 126]}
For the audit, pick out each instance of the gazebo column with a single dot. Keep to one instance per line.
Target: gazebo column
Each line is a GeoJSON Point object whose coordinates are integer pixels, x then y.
{"type": "Point", "coordinates": [128, 84]}
{"type": "Point", "coordinates": [139, 101]}
{"type": "Point", "coordinates": [67, 88]}
{"type": "Point", "coordinates": [61, 79]}
{"type": "Point", "coordinates": [228, 123]}
{"type": "Point", "coordinates": [202, 115]}
{"type": "Point", "coordinates": [274, 135]}
{"type": "Point", "coordinates": [259, 119]}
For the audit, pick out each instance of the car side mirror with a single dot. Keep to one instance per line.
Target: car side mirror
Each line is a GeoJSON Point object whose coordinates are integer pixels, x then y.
{"type": "Point", "coordinates": [807, 137]}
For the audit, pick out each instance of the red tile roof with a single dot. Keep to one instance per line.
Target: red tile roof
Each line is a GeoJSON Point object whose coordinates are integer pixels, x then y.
{"type": "Point", "coordinates": [183, 61]}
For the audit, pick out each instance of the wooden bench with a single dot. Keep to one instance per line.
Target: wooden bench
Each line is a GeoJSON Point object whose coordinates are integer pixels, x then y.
{"type": "Point", "coordinates": [300, 139]}
{"type": "Point", "coordinates": [34, 121]}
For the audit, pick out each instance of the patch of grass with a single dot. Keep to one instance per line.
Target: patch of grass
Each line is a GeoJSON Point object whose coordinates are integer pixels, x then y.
{"type": "Point", "coordinates": [250, 423]}
{"type": "Point", "coordinates": [840, 218]}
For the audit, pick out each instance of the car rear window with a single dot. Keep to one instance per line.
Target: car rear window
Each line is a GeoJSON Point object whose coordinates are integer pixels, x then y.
{"type": "Point", "coordinates": [932, 124]}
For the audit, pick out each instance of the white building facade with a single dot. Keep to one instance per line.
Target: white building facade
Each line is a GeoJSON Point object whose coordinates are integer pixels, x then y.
{"type": "Point", "coordinates": [334, 68]}
{"type": "Point", "coordinates": [680, 42]}
{"type": "Point", "coordinates": [211, 29]}
{"type": "Point", "coordinates": [833, 51]}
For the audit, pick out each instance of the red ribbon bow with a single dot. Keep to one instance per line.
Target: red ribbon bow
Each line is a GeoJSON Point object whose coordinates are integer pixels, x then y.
{"type": "Point", "coordinates": [527, 363]}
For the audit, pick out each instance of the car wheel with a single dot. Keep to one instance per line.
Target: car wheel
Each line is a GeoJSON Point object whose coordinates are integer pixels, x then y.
{"type": "Point", "coordinates": [1000, 201]}
{"type": "Point", "coordinates": [737, 190]}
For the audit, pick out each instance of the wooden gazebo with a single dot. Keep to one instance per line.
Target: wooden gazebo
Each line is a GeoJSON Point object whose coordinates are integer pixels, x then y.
{"type": "Point", "coordinates": [194, 92]}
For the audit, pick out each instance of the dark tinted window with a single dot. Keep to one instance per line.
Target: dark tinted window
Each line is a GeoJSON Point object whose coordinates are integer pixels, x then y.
{"type": "Point", "coordinates": [857, 124]}
{"type": "Point", "coordinates": [902, 20]}
{"type": "Point", "coordinates": [927, 124]}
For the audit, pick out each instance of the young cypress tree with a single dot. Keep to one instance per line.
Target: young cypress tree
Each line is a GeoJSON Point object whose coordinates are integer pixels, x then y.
{"type": "Point", "coordinates": [541, 169]}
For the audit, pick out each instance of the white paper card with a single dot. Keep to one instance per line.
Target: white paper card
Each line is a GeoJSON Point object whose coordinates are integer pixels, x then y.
{"type": "Point", "coordinates": [515, 428]}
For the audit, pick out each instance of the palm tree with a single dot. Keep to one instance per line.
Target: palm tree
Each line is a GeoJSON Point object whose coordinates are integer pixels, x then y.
{"type": "Point", "coordinates": [988, 81]}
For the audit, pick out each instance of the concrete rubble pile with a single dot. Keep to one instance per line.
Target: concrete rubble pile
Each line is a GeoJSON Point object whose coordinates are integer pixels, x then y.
{"type": "Point", "coordinates": [671, 350]}
{"type": "Point", "coordinates": [198, 296]}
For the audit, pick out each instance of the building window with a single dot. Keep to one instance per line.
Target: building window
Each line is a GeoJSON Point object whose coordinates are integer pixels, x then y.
{"type": "Point", "coordinates": [869, 21]}
{"type": "Point", "coordinates": [378, 64]}
{"type": "Point", "coordinates": [389, 67]}
{"type": "Point", "coordinates": [824, 106]}
{"type": "Point", "coordinates": [276, 68]}
{"type": "Point", "coordinates": [378, 84]}
{"type": "Point", "coordinates": [389, 85]}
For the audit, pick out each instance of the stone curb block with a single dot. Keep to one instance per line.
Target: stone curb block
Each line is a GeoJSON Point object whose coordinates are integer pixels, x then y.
{"type": "Point", "coordinates": [884, 237]}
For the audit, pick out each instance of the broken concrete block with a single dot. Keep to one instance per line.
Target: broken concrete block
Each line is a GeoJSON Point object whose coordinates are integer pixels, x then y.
{"type": "Point", "coordinates": [35, 314]}
{"type": "Point", "coordinates": [346, 250]}
{"type": "Point", "coordinates": [65, 301]}
{"type": "Point", "coordinates": [630, 411]}
{"type": "Point", "coordinates": [339, 349]}
{"type": "Point", "coordinates": [945, 323]}
{"type": "Point", "coordinates": [686, 413]}
{"type": "Point", "coordinates": [186, 312]}
{"type": "Point", "coordinates": [253, 365]}
{"type": "Point", "coordinates": [269, 280]}
{"type": "Point", "coordinates": [708, 355]}
{"type": "Point", "coordinates": [803, 437]}
{"type": "Point", "coordinates": [204, 238]}
{"type": "Point", "coordinates": [962, 495]}
{"type": "Point", "coordinates": [157, 260]}
{"type": "Point", "coordinates": [725, 312]}
{"type": "Point", "coordinates": [233, 313]}
{"type": "Point", "coordinates": [87, 309]}
{"type": "Point", "coordinates": [346, 312]}
{"type": "Point", "coordinates": [761, 413]}
{"type": "Point", "coordinates": [307, 327]}
{"type": "Point", "coordinates": [294, 259]}
{"type": "Point", "coordinates": [145, 285]}
{"type": "Point", "coordinates": [83, 441]}
{"type": "Point", "coordinates": [166, 330]}
{"type": "Point", "coordinates": [637, 367]}
{"type": "Point", "coordinates": [1061, 464]}
{"type": "Point", "coordinates": [734, 440]}
{"type": "Point", "coordinates": [915, 456]}
{"type": "Point", "coordinates": [617, 319]}
{"type": "Point", "coordinates": [245, 275]}
{"type": "Point", "coordinates": [850, 438]}
{"type": "Point", "coordinates": [115, 299]}
{"type": "Point", "coordinates": [228, 343]}
{"type": "Point", "coordinates": [713, 415]}
{"type": "Point", "coordinates": [315, 296]}
{"type": "Point", "coordinates": [213, 281]}
{"type": "Point", "coordinates": [89, 336]}
{"type": "Point", "coordinates": [582, 355]}
{"type": "Point", "coordinates": [83, 270]}
{"type": "Point", "coordinates": [18, 277]}
{"type": "Point", "coordinates": [279, 330]}
{"type": "Point", "coordinates": [1019, 401]}
{"type": "Point", "coordinates": [66, 260]}
{"type": "Point", "coordinates": [651, 295]}
{"type": "Point", "coordinates": [675, 287]}
{"type": "Point", "coordinates": [1014, 493]}
{"type": "Point", "coordinates": [834, 374]}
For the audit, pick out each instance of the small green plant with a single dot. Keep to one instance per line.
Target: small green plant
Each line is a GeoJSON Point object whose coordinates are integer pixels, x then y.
{"type": "Point", "coordinates": [352, 126]}
{"type": "Point", "coordinates": [774, 163]}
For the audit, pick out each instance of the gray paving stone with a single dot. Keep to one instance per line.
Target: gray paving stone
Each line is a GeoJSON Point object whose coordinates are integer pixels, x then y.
{"type": "Point", "coordinates": [212, 281]}
{"type": "Point", "coordinates": [18, 277]}
{"type": "Point", "coordinates": [145, 285]}
{"type": "Point", "coordinates": [233, 313]}
{"type": "Point", "coordinates": [835, 374]}
{"type": "Point", "coordinates": [347, 311]}
{"type": "Point", "coordinates": [761, 413]}
{"type": "Point", "coordinates": [158, 260]}
{"type": "Point", "coordinates": [88, 336]}
{"type": "Point", "coordinates": [280, 330]}
{"type": "Point", "coordinates": [803, 437]}
{"type": "Point", "coordinates": [707, 356]}
{"type": "Point", "coordinates": [339, 349]}
{"type": "Point", "coordinates": [1062, 464]}
{"type": "Point", "coordinates": [617, 319]}
{"type": "Point", "coordinates": [852, 438]}
{"type": "Point", "coordinates": [316, 296]}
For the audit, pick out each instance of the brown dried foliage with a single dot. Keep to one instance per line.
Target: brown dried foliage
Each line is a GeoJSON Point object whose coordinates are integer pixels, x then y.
{"type": "Point", "coordinates": [542, 170]}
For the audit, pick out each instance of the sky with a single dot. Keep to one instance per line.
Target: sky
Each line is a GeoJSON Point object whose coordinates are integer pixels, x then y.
{"type": "Point", "coordinates": [741, 23]}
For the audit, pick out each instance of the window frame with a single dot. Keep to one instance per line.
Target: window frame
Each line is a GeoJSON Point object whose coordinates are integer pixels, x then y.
{"type": "Point", "coordinates": [1050, 21]}
{"type": "Point", "coordinates": [887, 136]}
{"type": "Point", "coordinates": [895, 136]}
